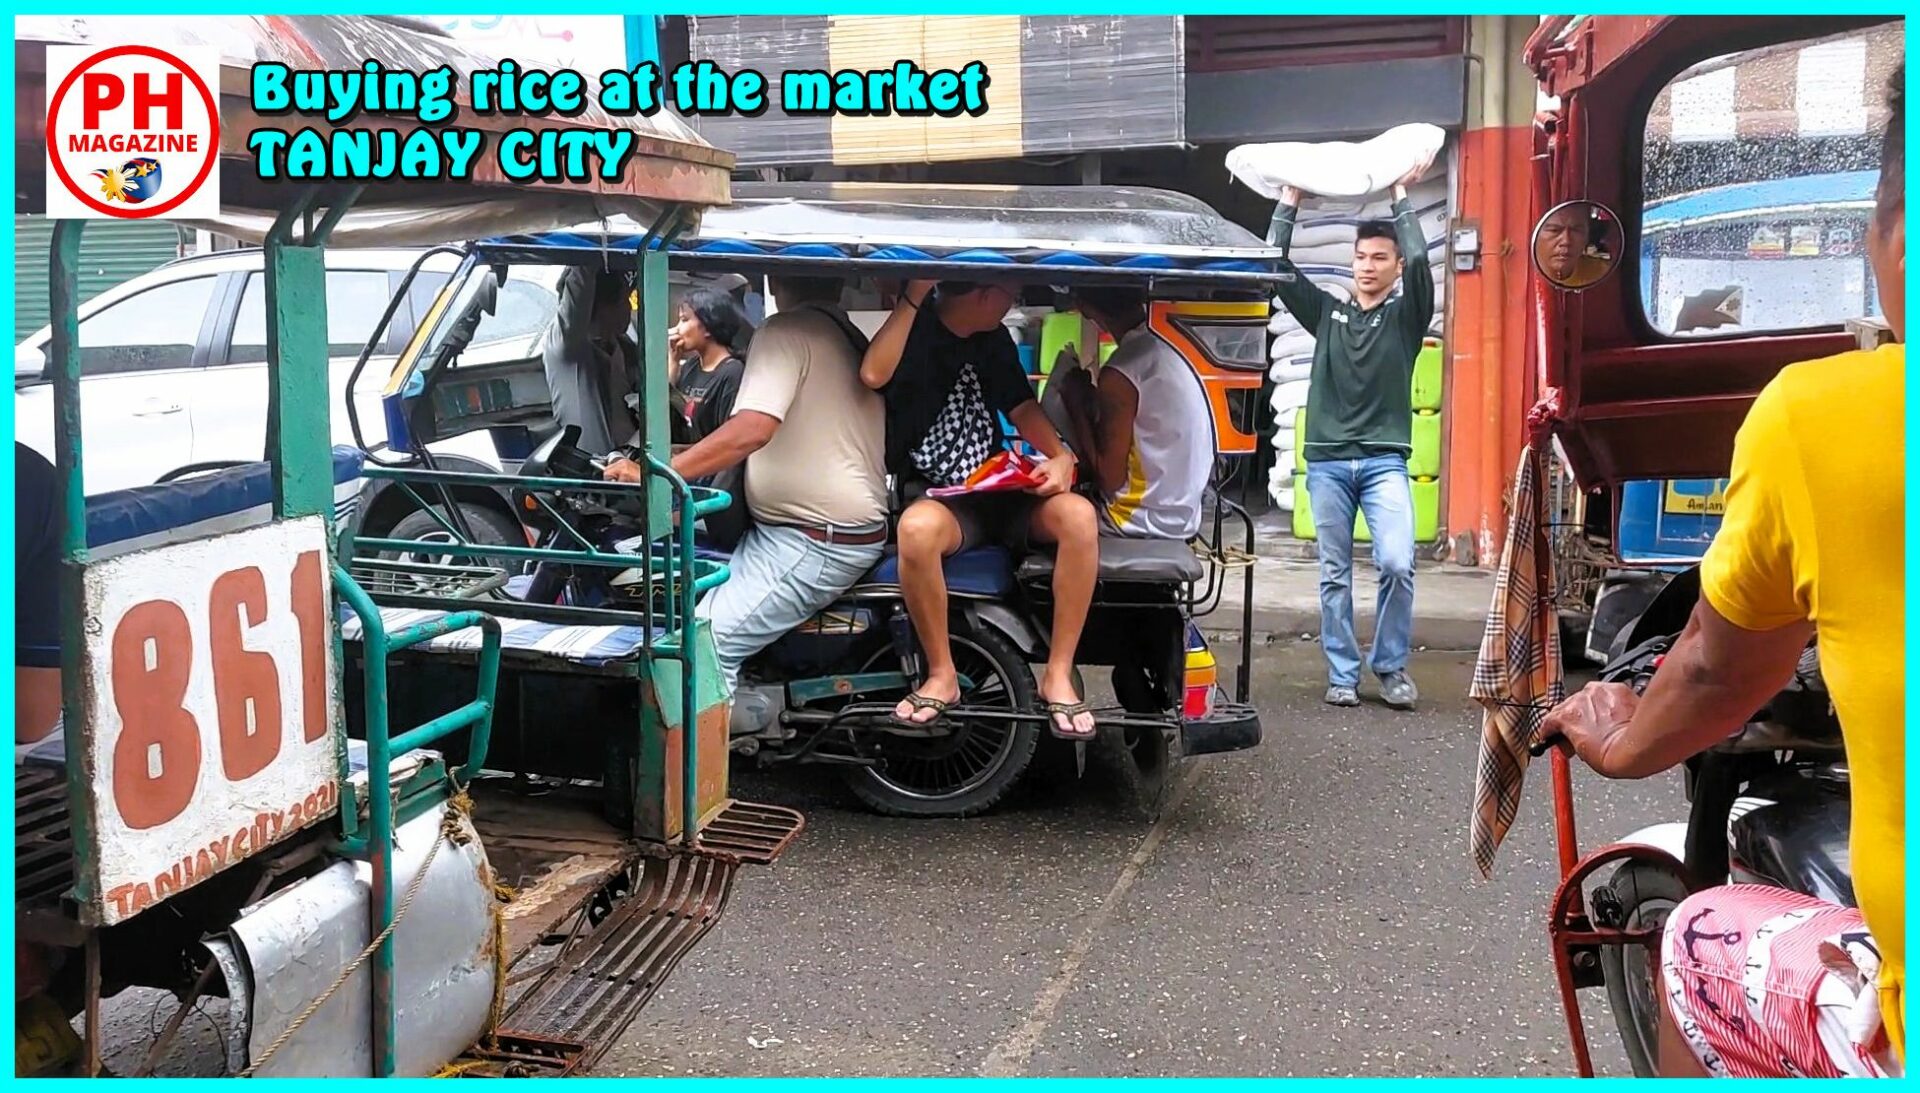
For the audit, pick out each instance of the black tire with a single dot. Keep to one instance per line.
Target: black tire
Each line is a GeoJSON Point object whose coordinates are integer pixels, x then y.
{"type": "Point", "coordinates": [909, 781]}
{"type": "Point", "coordinates": [1639, 894]}
{"type": "Point", "coordinates": [489, 527]}
{"type": "Point", "coordinates": [1142, 762]}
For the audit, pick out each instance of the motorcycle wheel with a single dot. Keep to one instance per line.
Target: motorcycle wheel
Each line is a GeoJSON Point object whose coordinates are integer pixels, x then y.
{"type": "Point", "coordinates": [1645, 895]}
{"type": "Point", "coordinates": [1142, 762]}
{"type": "Point", "coordinates": [973, 769]}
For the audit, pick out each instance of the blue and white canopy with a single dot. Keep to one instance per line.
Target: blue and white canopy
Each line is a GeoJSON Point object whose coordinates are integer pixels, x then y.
{"type": "Point", "coordinates": [1809, 195]}
{"type": "Point", "coordinates": [1048, 234]}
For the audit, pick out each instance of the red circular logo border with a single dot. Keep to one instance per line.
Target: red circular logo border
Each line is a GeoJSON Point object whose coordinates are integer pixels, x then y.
{"type": "Point", "coordinates": [206, 96]}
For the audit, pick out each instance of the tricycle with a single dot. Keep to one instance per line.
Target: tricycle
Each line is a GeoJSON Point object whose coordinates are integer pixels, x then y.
{"type": "Point", "coordinates": [279, 783]}
{"type": "Point", "coordinates": [821, 694]}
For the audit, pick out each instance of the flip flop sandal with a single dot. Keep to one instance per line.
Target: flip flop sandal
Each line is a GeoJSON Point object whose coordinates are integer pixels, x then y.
{"type": "Point", "coordinates": [933, 726]}
{"type": "Point", "coordinates": [1069, 710]}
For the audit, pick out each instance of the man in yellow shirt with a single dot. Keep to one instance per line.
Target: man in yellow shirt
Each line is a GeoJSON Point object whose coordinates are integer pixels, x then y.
{"type": "Point", "coordinates": [1761, 981]}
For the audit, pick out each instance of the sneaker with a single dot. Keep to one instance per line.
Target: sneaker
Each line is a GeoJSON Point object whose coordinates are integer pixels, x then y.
{"type": "Point", "coordinates": [1342, 696]}
{"type": "Point", "coordinates": [1397, 690]}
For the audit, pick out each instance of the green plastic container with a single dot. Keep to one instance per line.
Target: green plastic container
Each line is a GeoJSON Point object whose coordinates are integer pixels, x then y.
{"type": "Point", "coordinates": [1428, 387]}
{"type": "Point", "coordinates": [1300, 443]}
{"type": "Point", "coordinates": [1425, 461]}
{"type": "Point", "coordinates": [1426, 513]}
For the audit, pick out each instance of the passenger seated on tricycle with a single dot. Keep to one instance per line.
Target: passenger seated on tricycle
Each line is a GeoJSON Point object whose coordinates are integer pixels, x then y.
{"type": "Point", "coordinates": [945, 365]}
{"type": "Point", "coordinates": [591, 361]}
{"type": "Point", "coordinates": [1143, 426]}
{"type": "Point", "coordinates": [813, 441]}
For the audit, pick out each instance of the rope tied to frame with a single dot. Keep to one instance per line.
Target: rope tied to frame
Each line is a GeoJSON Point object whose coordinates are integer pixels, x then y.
{"type": "Point", "coordinates": [454, 830]}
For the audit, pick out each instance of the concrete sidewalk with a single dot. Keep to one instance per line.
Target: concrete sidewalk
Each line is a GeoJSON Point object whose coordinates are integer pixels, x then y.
{"type": "Point", "coordinates": [1449, 601]}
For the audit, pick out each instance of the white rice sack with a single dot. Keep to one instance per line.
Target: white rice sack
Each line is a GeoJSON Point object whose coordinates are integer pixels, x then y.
{"type": "Point", "coordinates": [1281, 323]}
{"type": "Point", "coordinates": [1282, 491]}
{"type": "Point", "coordinates": [1294, 343]}
{"type": "Point", "coordinates": [1313, 235]}
{"type": "Point", "coordinates": [1335, 168]}
{"type": "Point", "coordinates": [1291, 371]}
{"type": "Point", "coordinates": [1327, 254]}
{"type": "Point", "coordinates": [1289, 397]}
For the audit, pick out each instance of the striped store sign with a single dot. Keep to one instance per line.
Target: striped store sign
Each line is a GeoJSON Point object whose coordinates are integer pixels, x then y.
{"type": "Point", "coordinates": [1832, 87]}
{"type": "Point", "coordinates": [1058, 85]}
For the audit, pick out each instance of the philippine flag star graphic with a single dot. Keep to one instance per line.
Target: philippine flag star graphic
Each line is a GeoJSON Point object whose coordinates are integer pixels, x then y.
{"type": "Point", "coordinates": [134, 181]}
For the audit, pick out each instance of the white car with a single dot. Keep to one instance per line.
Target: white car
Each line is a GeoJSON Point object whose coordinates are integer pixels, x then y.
{"type": "Point", "coordinates": [174, 375]}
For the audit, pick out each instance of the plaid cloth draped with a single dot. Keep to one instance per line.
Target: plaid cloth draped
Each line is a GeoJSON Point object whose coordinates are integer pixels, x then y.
{"type": "Point", "coordinates": [1517, 677]}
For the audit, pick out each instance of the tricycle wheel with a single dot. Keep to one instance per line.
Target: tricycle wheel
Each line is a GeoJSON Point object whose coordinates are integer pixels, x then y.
{"type": "Point", "coordinates": [971, 770]}
{"type": "Point", "coordinates": [1141, 761]}
{"type": "Point", "coordinates": [1639, 895]}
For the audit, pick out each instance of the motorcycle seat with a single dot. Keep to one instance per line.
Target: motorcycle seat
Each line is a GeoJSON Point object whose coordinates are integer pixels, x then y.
{"type": "Point", "coordinates": [589, 645]}
{"type": "Point", "coordinates": [984, 572]}
{"type": "Point", "coordinates": [1770, 736]}
{"type": "Point", "coordinates": [1150, 561]}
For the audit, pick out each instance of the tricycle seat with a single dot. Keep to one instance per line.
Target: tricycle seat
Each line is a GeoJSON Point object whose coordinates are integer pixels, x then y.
{"type": "Point", "coordinates": [142, 517]}
{"type": "Point", "coordinates": [983, 571]}
{"type": "Point", "coordinates": [1153, 561]}
{"type": "Point", "coordinates": [589, 645]}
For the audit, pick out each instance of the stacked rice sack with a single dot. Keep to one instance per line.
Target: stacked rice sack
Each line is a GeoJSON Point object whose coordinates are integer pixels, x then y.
{"type": "Point", "coordinates": [1322, 249]}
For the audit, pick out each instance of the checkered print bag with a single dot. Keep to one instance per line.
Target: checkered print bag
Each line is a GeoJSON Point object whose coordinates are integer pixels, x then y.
{"type": "Point", "coordinates": [961, 438]}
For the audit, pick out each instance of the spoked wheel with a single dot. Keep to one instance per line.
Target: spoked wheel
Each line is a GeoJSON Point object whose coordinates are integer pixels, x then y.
{"type": "Point", "coordinates": [1638, 896]}
{"type": "Point", "coordinates": [973, 768]}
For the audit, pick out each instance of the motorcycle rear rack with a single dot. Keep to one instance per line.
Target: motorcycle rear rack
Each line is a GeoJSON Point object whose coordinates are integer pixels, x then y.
{"type": "Point", "coordinates": [1577, 940]}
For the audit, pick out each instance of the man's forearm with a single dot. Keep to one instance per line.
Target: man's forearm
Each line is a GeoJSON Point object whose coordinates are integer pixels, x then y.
{"type": "Point", "coordinates": [725, 447]}
{"type": "Point", "coordinates": [889, 343]}
{"type": "Point", "coordinates": [1714, 679]}
{"type": "Point", "coordinates": [1280, 229]}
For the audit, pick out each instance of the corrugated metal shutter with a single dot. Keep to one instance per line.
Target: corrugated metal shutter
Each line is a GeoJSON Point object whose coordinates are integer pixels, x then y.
{"type": "Point", "coordinates": [1226, 43]}
{"type": "Point", "coordinates": [110, 252]}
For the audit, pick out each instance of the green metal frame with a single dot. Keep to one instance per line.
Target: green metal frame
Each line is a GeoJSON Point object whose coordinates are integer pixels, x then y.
{"type": "Point", "coordinates": [298, 446]}
{"type": "Point", "coordinates": [690, 503]}
{"type": "Point", "coordinates": [676, 509]}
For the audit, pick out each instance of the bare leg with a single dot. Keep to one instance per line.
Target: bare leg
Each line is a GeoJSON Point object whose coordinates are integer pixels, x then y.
{"type": "Point", "coordinates": [928, 533]}
{"type": "Point", "coordinates": [1068, 521]}
{"type": "Point", "coordinates": [1676, 1058]}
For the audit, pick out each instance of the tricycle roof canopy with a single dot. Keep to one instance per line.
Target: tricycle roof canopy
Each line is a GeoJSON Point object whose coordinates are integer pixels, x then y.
{"type": "Point", "coordinates": [671, 163]}
{"type": "Point", "coordinates": [1053, 234]}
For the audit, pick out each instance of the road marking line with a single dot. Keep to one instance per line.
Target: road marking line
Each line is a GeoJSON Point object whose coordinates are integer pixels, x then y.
{"type": "Point", "coordinates": [1011, 1057]}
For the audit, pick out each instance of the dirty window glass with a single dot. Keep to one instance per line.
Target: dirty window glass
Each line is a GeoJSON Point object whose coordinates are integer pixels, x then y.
{"type": "Point", "coordinates": [356, 299]}
{"type": "Point", "coordinates": [1759, 174]}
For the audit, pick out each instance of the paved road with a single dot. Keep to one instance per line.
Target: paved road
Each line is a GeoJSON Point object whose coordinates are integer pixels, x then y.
{"type": "Point", "coordinates": [1306, 909]}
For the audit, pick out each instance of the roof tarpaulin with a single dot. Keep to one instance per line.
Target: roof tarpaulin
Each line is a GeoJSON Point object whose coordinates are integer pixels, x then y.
{"type": "Point", "coordinates": [1049, 233]}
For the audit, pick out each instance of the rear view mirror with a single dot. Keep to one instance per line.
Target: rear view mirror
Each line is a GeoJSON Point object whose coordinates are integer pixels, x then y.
{"type": "Point", "coordinates": [29, 365]}
{"type": "Point", "coordinates": [1577, 245]}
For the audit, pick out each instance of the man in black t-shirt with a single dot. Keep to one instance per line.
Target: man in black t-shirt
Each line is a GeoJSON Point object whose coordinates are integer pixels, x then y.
{"type": "Point", "coordinates": [946, 365]}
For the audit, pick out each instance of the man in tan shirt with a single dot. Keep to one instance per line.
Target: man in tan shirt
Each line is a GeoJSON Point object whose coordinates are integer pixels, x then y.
{"type": "Point", "coordinates": [814, 441]}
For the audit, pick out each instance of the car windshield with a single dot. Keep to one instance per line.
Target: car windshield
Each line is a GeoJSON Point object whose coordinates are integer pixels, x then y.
{"type": "Point", "coordinates": [524, 306]}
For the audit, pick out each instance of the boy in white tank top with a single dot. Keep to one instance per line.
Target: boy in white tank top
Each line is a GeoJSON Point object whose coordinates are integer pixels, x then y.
{"type": "Point", "coordinates": [1143, 425]}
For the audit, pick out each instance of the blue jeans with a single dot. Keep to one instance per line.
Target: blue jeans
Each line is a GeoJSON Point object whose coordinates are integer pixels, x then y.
{"type": "Point", "coordinates": [777, 579]}
{"type": "Point", "coordinates": [1377, 486]}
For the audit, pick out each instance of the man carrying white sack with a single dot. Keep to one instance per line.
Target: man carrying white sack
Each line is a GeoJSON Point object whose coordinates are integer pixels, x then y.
{"type": "Point", "coordinates": [1359, 433]}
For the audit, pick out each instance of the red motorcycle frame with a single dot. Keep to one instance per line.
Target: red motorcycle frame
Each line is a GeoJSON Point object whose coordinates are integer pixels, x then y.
{"type": "Point", "coordinates": [1602, 373]}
